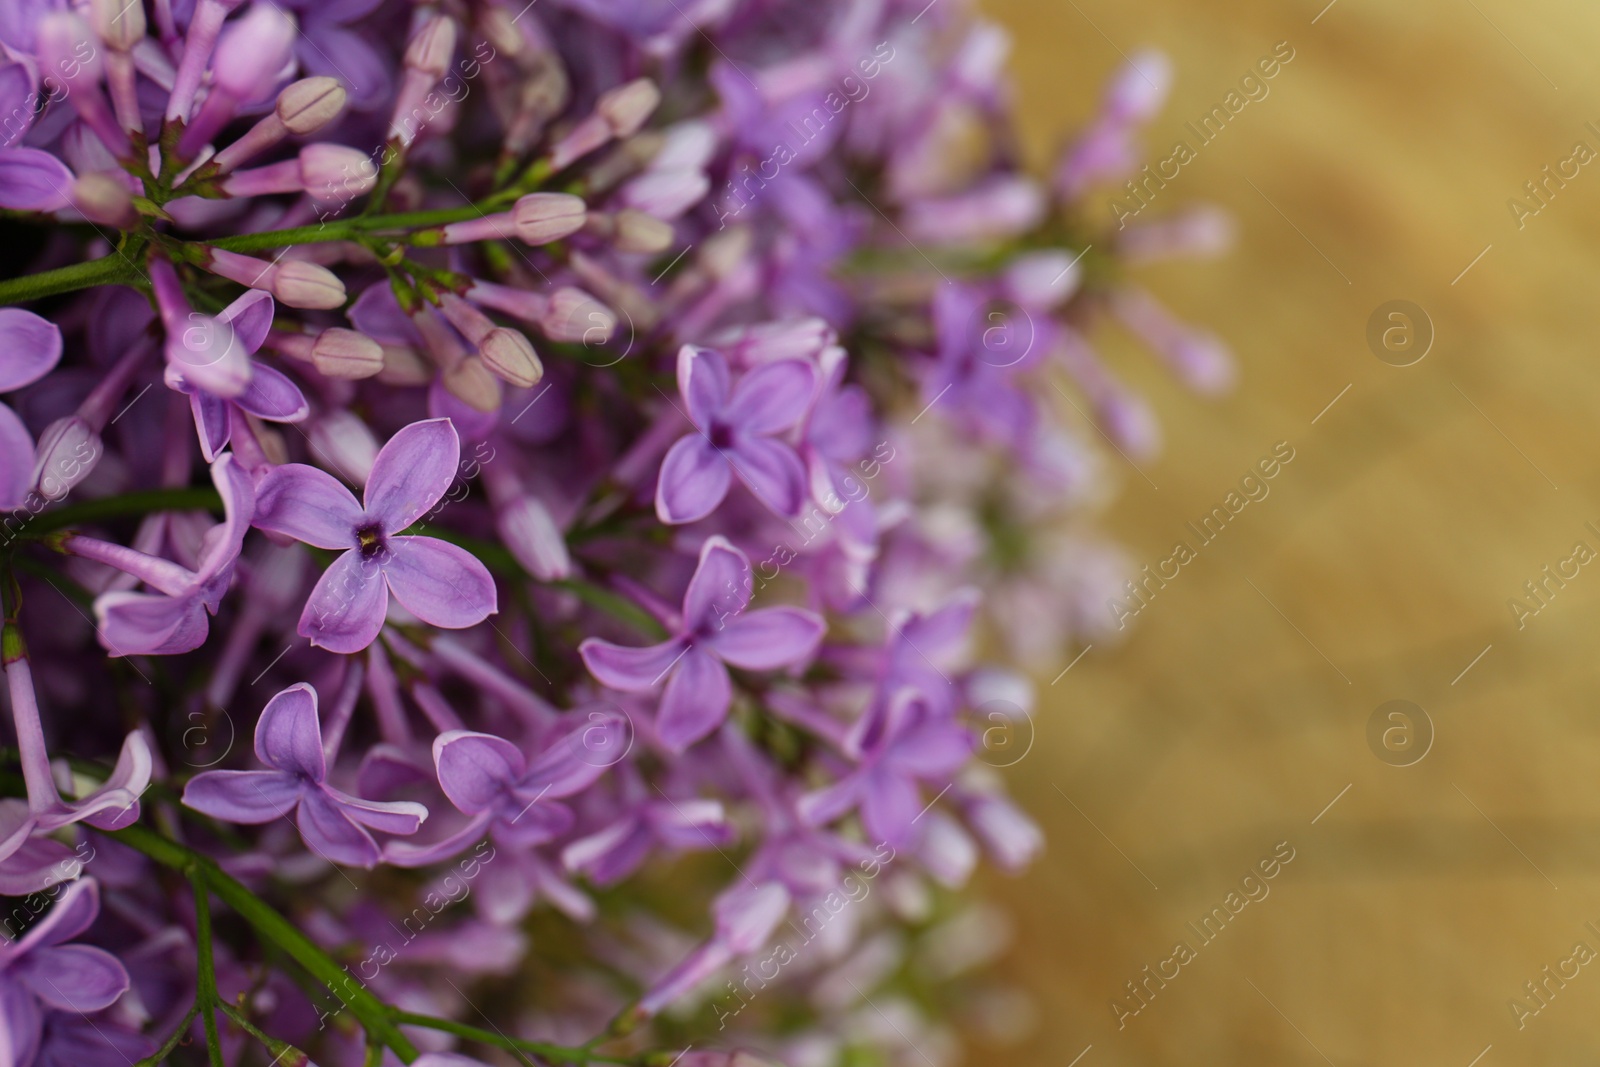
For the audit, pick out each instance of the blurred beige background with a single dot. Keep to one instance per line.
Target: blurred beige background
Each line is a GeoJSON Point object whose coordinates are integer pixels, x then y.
{"type": "Point", "coordinates": [1419, 904]}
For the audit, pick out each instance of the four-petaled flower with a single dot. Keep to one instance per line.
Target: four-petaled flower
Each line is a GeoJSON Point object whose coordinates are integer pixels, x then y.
{"type": "Point", "coordinates": [39, 973]}
{"type": "Point", "coordinates": [735, 427]}
{"type": "Point", "coordinates": [439, 583]}
{"type": "Point", "coordinates": [899, 742]}
{"type": "Point", "coordinates": [713, 630]}
{"type": "Point", "coordinates": [333, 823]}
{"type": "Point", "coordinates": [174, 619]}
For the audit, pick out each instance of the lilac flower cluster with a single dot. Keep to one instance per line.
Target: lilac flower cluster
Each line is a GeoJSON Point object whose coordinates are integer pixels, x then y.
{"type": "Point", "coordinates": [564, 438]}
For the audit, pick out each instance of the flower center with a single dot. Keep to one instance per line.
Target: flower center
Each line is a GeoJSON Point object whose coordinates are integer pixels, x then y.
{"type": "Point", "coordinates": [370, 540]}
{"type": "Point", "coordinates": [720, 436]}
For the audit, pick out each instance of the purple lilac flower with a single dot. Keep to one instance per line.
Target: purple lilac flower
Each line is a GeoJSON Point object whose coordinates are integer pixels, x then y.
{"type": "Point", "coordinates": [713, 631]}
{"type": "Point", "coordinates": [736, 430]}
{"type": "Point", "coordinates": [334, 824]}
{"type": "Point", "coordinates": [41, 973]}
{"type": "Point", "coordinates": [439, 583]}
{"type": "Point", "coordinates": [30, 347]}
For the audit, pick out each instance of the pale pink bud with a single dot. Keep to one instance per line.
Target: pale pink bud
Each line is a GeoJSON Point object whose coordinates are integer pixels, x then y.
{"type": "Point", "coordinates": [104, 199]}
{"type": "Point", "coordinates": [1043, 279]}
{"type": "Point", "coordinates": [306, 285]}
{"type": "Point", "coordinates": [405, 366]}
{"type": "Point", "coordinates": [305, 106]}
{"type": "Point", "coordinates": [252, 52]}
{"type": "Point", "coordinates": [68, 450]}
{"type": "Point", "coordinates": [531, 534]}
{"type": "Point", "coordinates": [118, 23]}
{"type": "Point", "coordinates": [666, 194]}
{"type": "Point", "coordinates": [573, 315]}
{"type": "Point", "coordinates": [336, 172]}
{"type": "Point", "coordinates": [342, 353]}
{"type": "Point", "coordinates": [544, 217]}
{"type": "Point", "coordinates": [66, 43]}
{"type": "Point", "coordinates": [511, 356]}
{"type": "Point", "coordinates": [431, 49]}
{"type": "Point", "coordinates": [638, 232]}
{"type": "Point", "coordinates": [343, 442]}
{"type": "Point", "coordinates": [471, 382]}
{"type": "Point", "coordinates": [1139, 88]}
{"type": "Point", "coordinates": [626, 107]}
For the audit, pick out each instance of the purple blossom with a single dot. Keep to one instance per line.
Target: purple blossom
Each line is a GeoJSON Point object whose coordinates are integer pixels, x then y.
{"type": "Point", "coordinates": [41, 973]}
{"type": "Point", "coordinates": [173, 619]}
{"type": "Point", "coordinates": [439, 583]}
{"type": "Point", "coordinates": [334, 824]}
{"type": "Point", "coordinates": [30, 347]}
{"type": "Point", "coordinates": [713, 632]}
{"type": "Point", "coordinates": [737, 429]}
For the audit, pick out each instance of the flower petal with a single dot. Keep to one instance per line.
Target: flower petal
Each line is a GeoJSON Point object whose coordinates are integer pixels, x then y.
{"type": "Point", "coordinates": [412, 471]}
{"type": "Point", "coordinates": [251, 318]}
{"type": "Point", "coordinates": [288, 735]}
{"type": "Point", "coordinates": [331, 834]}
{"type": "Point", "coordinates": [223, 541]}
{"type": "Point", "coordinates": [272, 396]}
{"type": "Point", "coordinates": [213, 423]}
{"type": "Point", "coordinates": [78, 978]}
{"type": "Point", "coordinates": [476, 769]}
{"type": "Point", "coordinates": [772, 471]}
{"type": "Point", "coordinates": [247, 797]}
{"type": "Point", "coordinates": [694, 479]}
{"type": "Point", "coordinates": [930, 750]}
{"type": "Point", "coordinates": [889, 805]}
{"type": "Point", "coordinates": [440, 583]}
{"type": "Point", "coordinates": [821, 806]}
{"type": "Point", "coordinates": [16, 459]}
{"type": "Point", "coordinates": [347, 608]}
{"type": "Point", "coordinates": [308, 505]}
{"type": "Point", "coordinates": [390, 816]}
{"type": "Point", "coordinates": [34, 180]}
{"type": "Point", "coordinates": [695, 701]}
{"type": "Point", "coordinates": [75, 909]}
{"type": "Point", "coordinates": [21, 1022]}
{"type": "Point", "coordinates": [149, 624]}
{"type": "Point", "coordinates": [770, 638]}
{"type": "Point", "coordinates": [772, 397]}
{"type": "Point", "coordinates": [632, 670]}
{"type": "Point", "coordinates": [573, 761]}
{"type": "Point", "coordinates": [720, 588]}
{"type": "Point", "coordinates": [30, 347]}
{"type": "Point", "coordinates": [703, 382]}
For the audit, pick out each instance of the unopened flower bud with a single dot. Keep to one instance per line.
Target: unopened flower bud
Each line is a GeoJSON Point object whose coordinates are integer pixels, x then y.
{"type": "Point", "coordinates": [626, 107]}
{"type": "Point", "coordinates": [68, 450]}
{"type": "Point", "coordinates": [405, 366]}
{"type": "Point", "coordinates": [252, 51]}
{"type": "Point", "coordinates": [119, 24]}
{"type": "Point", "coordinates": [346, 443]}
{"type": "Point", "coordinates": [341, 353]}
{"type": "Point", "coordinates": [305, 106]}
{"type": "Point", "coordinates": [511, 357]}
{"type": "Point", "coordinates": [471, 382]}
{"type": "Point", "coordinates": [306, 285]}
{"type": "Point", "coordinates": [336, 172]}
{"type": "Point", "coordinates": [104, 199]}
{"type": "Point", "coordinates": [573, 315]}
{"type": "Point", "coordinates": [638, 232]}
{"type": "Point", "coordinates": [431, 49]}
{"type": "Point", "coordinates": [544, 217]}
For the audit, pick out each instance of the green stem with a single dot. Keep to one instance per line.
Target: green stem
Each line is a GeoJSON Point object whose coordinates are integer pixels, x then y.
{"type": "Point", "coordinates": [206, 994]}
{"type": "Point", "coordinates": [192, 498]}
{"type": "Point", "coordinates": [107, 270]}
{"type": "Point", "coordinates": [161, 1054]}
{"type": "Point", "coordinates": [278, 1049]}
{"type": "Point", "coordinates": [559, 1053]}
{"type": "Point", "coordinates": [372, 1013]}
{"type": "Point", "coordinates": [345, 229]}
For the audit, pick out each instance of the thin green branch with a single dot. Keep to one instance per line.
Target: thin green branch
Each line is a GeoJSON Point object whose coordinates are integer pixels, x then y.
{"type": "Point", "coordinates": [107, 270]}
{"type": "Point", "coordinates": [206, 993]}
{"type": "Point", "coordinates": [191, 498]}
{"type": "Point", "coordinates": [160, 1055]}
{"type": "Point", "coordinates": [371, 1012]}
